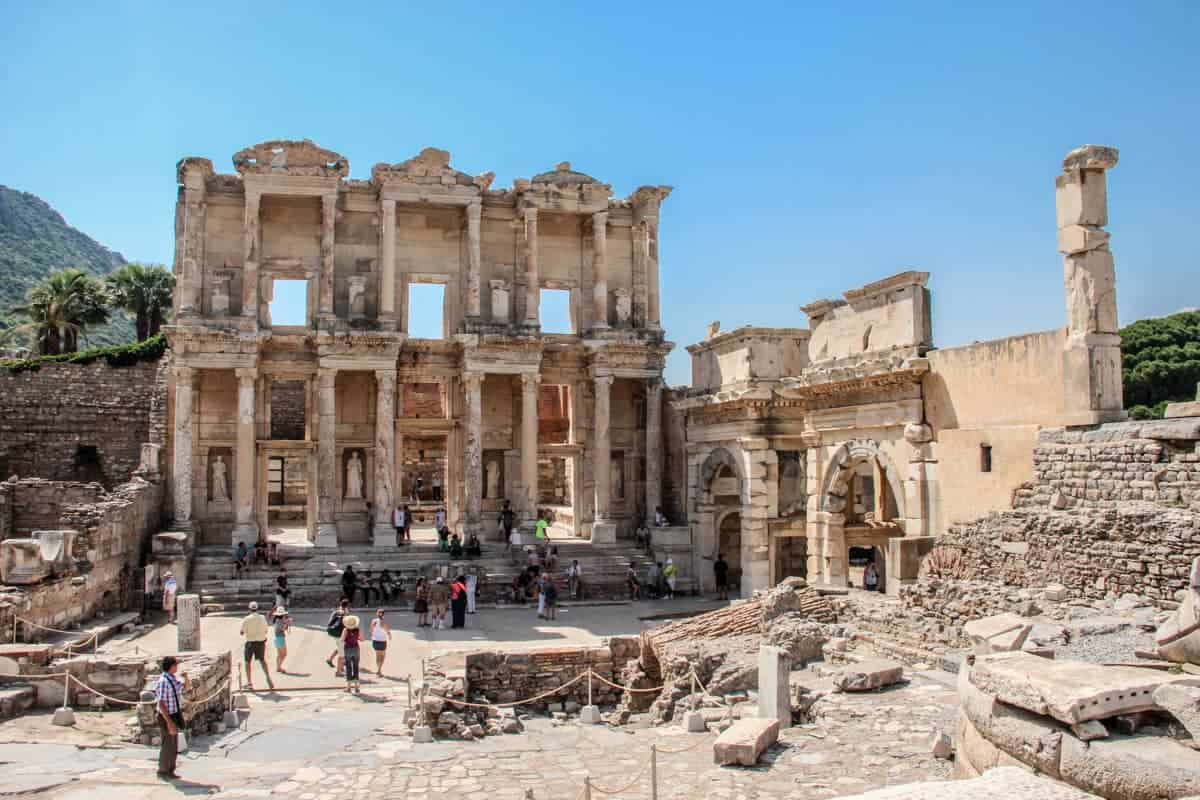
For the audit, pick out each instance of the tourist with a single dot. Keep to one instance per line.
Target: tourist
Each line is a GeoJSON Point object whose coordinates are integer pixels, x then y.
{"type": "Point", "coordinates": [281, 621]}
{"type": "Point", "coordinates": [515, 544]}
{"type": "Point", "coordinates": [381, 634]}
{"type": "Point", "coordinates": [551, 595]}
{"type": "Point", "coordinates": [439, 519]}
{"type": "Point", "coordinates": [473, 549]}
{"type": "Point", "coordinates": [351, 636]}
{"type": "Point", "coordinates": [506, 525]}
{"type": "Point", "coordinates": [273, 554]}
{"type": "Point", "coordinates": [439, 599]}
{"type": "Point", "coordinates": [366, 585]}
{"type": "Point", "coordinates": [631, 580]}
{"type": "Point", "coordinates": [654, 580]}
{"type": "Point", "coordinates": [670, 574]}
{"type": "Point", "coordinates": [282, 593]}
{"type": "Point", "coordinates": [334, 628]}
{"type": "Point", "coordinates": [421, 602]}
{"type": "Point", "coordinates": [871, 577]}
{"type": "Point", "coordinates": [443, 535]}
{"type": "Point", "coordinates": [552, 558]}
{"type": "Point", "coordinates": [541, 594]}
{"type": "Point", "coordinates": [170, 589]}
{"type": "Point", "coordinates": [721, 573]}
{"type": "Point", "coordinates": [437, 488]}
{"type": "Point", "coordinates": [349, 583]}
{"type": "Point", "coordinates": [472, 590]}
{"type": "Point", "coordinates": [573, 574]}
{"type": "Point", "coordinates": [417, 488]}
{"type": "Point", "coordinates": [260, 552]}
{"type": "Point", "coordinates": [541, 534]}
{"type": "Point", "coordinates": [388, 587]}
{"type": "Point", "coordinates": [168, 697]}
{"type": "Point", "coordinates": [398, 517]}
{"type": "Point", "coordinates": [642, 535]}
{"type": "Point", "coordinates": [532, 560]}
{"type": "Point", "coordinates": [240, 557]}
{"type": "Point", "coordinates": [408, 521]}
{"type": "Point", "coordinates": [254, 629]}
{"type": "Point", "coordinates": [458, 602]}
{"type": "Point", "coordinates": [660, 519]}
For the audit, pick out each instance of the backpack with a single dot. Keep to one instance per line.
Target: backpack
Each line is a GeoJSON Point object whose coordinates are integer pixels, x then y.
{"type": "Point", "coordinates": [334, 626]}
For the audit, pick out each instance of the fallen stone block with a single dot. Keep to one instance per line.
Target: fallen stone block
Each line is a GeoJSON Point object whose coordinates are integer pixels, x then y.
{"type": "Point", "coordinates": [868, 675]}
{"type": "Point", "coordinates": [744, 741]}
{"type": "Point", "coordinates": [1069, 691]}
{"type": "Point", "coordinates": [999, 633]}
{"type": "Point", "coordinates": [941, 746]}
{"type": "Point", "coordinates": [1182, 701]}
{"type": "Point", "coordinates": [694, 722]}
{"type": "Point", "coordinates": [1089, 731]}
{"type": "Point", "coordinates": [1056, 593]}
{"type": "Point", "coordinates": [1029, 738]}
{"type": "Point", "coordinates": [1139, 768]}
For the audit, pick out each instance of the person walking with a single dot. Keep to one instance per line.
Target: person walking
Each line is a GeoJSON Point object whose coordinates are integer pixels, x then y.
{"type": "Point", "coordinates": [254, 629]}
{"type": "Point", "coordinates": [871, 577]}
{"type": "Point", "coordinates": [439, 519]}
{"type": "Point", "coordinates": [381, 634]}
{"type": "Point", "coordinates": [631, 580]}
{"type": "Point", "coordinates": [574, 572]}
{"type": "Point", "coordinates": [283, 594]}
{"type": "Point", "coordinates": [439, 599]}
{"type": "Point", "coordinates": [408, 521]}
{"type": "Point", "coordinates": [458, 602]}
{"type": "Point", "coordinates": [281, 622]}
{"type": "Point", "coordinates": [398, 523]}
{"type": "Point", "coordinates": [721, 573]}
{"type": "Point", "coordinates": [421, 603]}
{"type": "Point", "coordinates": [506, 525]}
{"type": "Point", "coordinates": [168, 702]}
{"type": "Point", "coordinates": [541, 532]}
{"type": "Point", "coordinates": [670, 574]}
{"type": "Point", "coordinates": [541, 594]}
{"type": "Point", "coordinates": [437, 488]}
{"type": "Point", "coordinates": [170, 589]}
{"type": "Point", "coordinates": [334, 628]}
{"type": "Point", "coordinates": [472, 592]}
{"type": "Point", "coordinates": [351, 636]}
{"type": "Point", "coordinates": [551, 594]}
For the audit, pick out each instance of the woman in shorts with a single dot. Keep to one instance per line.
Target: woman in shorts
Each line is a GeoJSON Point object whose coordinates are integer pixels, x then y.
{"type": "Point", "coordinates": [421, 603]}
{"type": "Point", "coordinates": [281, 622]}
{"type": "Point", "coordinates": [381, 634]}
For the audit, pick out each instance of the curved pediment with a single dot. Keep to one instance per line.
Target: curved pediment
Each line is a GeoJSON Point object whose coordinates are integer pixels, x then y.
{"type": "Point", "coordinates": [563, 175]}
{"type": "Point", "coordinates": [288, 157]}
{"type": "Point", "coordinates": [430, 167]}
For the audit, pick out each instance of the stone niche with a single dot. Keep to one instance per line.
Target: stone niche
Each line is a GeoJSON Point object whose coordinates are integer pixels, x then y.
{"type": "Point", "coordinates": [493, 475]}
{"type": "Point", "coordinates": [501, 311]}
{"type": "Point", "coordinates": [354, 479]}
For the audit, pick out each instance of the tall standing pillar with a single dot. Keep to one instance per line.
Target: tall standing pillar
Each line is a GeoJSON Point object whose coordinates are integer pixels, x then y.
{"type": "Point", "coordinates": [603, 529]}
{"type": "Point", "coordinates": [654, 448]}
{"type": "Point", "coordinates": [250, 256]}
{"type": "Point", "coordinates": [1093, 347]}
{"type": "Point", "coordinates": [327, 494]}
{"type": "Point", "coordinates": [529, 257]}
{"type": "Point", "coordinates": [600, 268]}
{"type": "Point", "coordinates": [529, 442]}
{"type": "Point", "coordinates": [246, 527]}
{"type": "Point", "coordinates": [189, 235]}
{"type": "Point", "coordinates": [474, 212]}
{"type": "Point", "coordinates": [182, 463]}
{"type": "Point", "coordinates": [385, 448]}
{"type": "Point", "coordinates": [387, 254]}
{"type": "Point", "coordinates": [646, 203]}
{"type": "Point", "coordinates": [328, 219]}
{"type": "Point", "coordinates": [473, 452]}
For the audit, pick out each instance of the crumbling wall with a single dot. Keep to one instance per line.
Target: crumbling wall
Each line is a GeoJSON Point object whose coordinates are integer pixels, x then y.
{"type": "Point", "coordinates": [507, 677]}
{"type": "Point", "coordinates": [77, 421]}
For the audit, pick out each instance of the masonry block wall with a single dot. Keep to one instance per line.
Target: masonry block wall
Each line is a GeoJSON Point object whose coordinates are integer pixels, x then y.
{"type": "Point", "coordinates": [508, 677]}
{"type": "Point", "coordinates": [70, 422]}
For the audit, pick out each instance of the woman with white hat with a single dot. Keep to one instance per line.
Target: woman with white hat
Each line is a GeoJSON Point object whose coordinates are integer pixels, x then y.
{"type": "Point", "coordinates": [351, 636]}
{"type": "Point", "coordinates": [281, 621]}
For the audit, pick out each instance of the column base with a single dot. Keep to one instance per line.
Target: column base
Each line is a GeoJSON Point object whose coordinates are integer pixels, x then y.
{"type": "Point", "coordinates": [383, 536]}
{"type": "Point", "coordinates": [246, 532]}
{"type": "Point", "coordinates": [326, 535]}
{"type": "Point", "coordinates": [604, 533]}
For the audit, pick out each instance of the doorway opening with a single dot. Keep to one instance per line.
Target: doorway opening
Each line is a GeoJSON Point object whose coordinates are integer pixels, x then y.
{"type": "Point", "coordinates": [729, 547]}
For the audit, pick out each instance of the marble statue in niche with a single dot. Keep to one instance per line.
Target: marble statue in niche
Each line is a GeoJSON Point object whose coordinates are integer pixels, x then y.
{"type": "Point", "coordinates": [220, 479]}
{"type": "Point", "coordinates": [493, 480]}
{"type": "Point", "coordinates": [354, 477]}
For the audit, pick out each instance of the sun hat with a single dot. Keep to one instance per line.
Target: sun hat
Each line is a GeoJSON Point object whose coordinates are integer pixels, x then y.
{"type": "Point", "coordinates": [168, 574]}
{"type": "Point", "coordinates": [253, 606]}
{"type": "Point", "coordinates": [350, 621]}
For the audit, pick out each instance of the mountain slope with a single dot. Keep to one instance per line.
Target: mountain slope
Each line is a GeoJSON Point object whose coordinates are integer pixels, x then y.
{"type": "Point", "coordinates": [34, 241]}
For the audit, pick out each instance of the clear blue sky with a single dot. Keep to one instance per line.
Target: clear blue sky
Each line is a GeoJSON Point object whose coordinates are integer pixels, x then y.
{"type": "Point", "coordinates": [812, 149]}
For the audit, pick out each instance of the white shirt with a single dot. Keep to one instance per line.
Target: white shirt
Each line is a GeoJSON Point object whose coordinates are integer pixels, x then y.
{"type": "Point", "coordinates": [439, 519]}
{"type": "Point", "coordinates": [574, 571]}
{"type": "Point", "coordinates": [398, 518]}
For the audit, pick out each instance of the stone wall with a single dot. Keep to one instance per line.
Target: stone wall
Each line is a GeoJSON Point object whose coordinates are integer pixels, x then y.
{"type": "Point", "coordinates": [1156, 462]}
{"type": "Point", "coordinates": [37, 504]}
{"type": "Point", "coordinates": [79, 421]}
{"type": "Point", "coordinates": [288, 403]}
{"type": "Point", "coordinates": [507, 677]}
{"type": "Point", "coordinates": [113, 533]}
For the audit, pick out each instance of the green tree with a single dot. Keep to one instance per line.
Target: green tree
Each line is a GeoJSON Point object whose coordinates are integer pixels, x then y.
{"type": "Point", "coordinates": [143, 291]}
{"type": "Point", "coordinates": [60, 309]}
{"type": "Point", "coordinates": [1160, 362]}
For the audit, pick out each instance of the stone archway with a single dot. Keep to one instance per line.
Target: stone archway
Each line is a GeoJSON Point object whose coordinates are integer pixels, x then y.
{"type": "Point", "coordinates": [840, 471]}
{"type": "Point", "coordinates": [718, 500]}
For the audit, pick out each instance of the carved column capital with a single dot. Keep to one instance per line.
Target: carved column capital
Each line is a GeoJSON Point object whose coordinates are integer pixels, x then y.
{"type": "Point", "coordinates": [386, 377]}
{"type": "Point", "coordinates": [473, 380]}
{"type": "Point", "coordinates": [246, 375]}
{"type": "Point", "coordinates": [184, 372]}
{"type": "Point", "coordinates": [603, 380]}
{"type": "Point", "coordinates": [473, 209]}
{"type": "Point", "coordinates": [327, 376]}
{"type": "Point", "coordinates": [530, 381]}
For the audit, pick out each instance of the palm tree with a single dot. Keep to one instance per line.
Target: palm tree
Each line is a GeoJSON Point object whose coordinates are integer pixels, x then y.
{"type": "Point", "coordinates": [143, 291]}
{"type": "Point", "coordinates": [60, 308]}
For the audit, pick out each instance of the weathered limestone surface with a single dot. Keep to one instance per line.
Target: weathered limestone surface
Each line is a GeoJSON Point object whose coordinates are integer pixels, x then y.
{"type": "Point", "coordinates": [744, 741]}
{"type": "Point", "coordinates": [998, 633]}
{"type": "Point", "coordinates": [774, 693]}
{"type": "Point", "coordinates": [1002, 783]}
{"type": "Point", "coordinates": [865, 676]}
{"type": "Point", "coordinates": [1178, 638]}
{"type": "Point", "coordinates": [187, 609]}
{"type": "Point", "coordinates": [1182, 699]}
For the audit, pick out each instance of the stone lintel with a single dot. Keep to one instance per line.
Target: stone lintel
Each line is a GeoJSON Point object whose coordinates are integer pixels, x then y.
{"type": "Point", "coordinates": [889, 284]}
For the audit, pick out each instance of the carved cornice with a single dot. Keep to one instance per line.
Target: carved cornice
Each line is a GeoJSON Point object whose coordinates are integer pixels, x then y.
{"type": "Point", "coordinates": [827, 381]}
{"type": "Point", "coordinates": [288, 157]}
{"type": "Point", "coordinates": [429, 168]}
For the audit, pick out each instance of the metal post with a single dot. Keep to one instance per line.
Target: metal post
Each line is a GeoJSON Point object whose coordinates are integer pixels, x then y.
{"type": "Point", "coordinates": [653, 772]}
{"type": "Point", "coordinates": [587, 787]}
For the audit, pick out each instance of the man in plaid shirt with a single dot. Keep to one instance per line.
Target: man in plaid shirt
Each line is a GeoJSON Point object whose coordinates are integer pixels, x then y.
{"type": "Point", "coordinates": [168, 699]}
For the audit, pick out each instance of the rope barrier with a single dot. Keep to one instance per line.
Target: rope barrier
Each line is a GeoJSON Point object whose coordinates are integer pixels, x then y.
{"type": "Point", "coordinates": [627, 786]}
{"type": "Point", "coordinates": [533, 699]}
{"type": "Point", "coordinates": [221, 688]}
{"type": "Point", "coordinates": [699, 741]}
{"type": "Point", "coordinates": [602, 679]}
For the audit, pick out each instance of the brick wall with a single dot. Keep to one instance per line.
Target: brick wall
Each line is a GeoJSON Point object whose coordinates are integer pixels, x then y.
{"type": "Point", "coordinates": [507, 677]}
{"type": "Point", "coordinates": [51, 417]}
{"type": "Point", "coordinates": [287, 409]}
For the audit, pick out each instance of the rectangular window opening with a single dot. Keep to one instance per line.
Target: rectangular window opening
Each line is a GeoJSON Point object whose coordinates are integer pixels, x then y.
{"type": "Point", "coordinates": [555, 311]}
{"type": "Point", "coordinates": [985, 458]}
{"type": "Point", "coordinates": [426, 311]}
{"type": "Point", "coordinates": [289, 303]}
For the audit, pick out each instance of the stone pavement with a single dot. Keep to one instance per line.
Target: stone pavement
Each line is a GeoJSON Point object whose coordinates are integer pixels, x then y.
{"type": "Point", "coordinates": [325, 745]}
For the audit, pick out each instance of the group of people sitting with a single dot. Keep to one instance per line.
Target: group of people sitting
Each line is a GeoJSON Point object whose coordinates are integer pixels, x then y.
{"type": "Point", "coordinates": [382, 588]}
{"type": "Point", "coordinates": [262, 553]}
{"type": "Point", "coordinates": [453, 544]}
{"type": "Point", "coordinates": [659, 582]}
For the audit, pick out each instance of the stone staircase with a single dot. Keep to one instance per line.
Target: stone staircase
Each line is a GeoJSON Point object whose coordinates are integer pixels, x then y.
{"type": "Point", "coordinates": [315, 573]}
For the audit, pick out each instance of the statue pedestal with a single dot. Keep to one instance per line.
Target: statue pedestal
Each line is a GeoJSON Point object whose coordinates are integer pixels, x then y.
{"type": "Point", "coordinates": [383, 537]}
{"type": "Point", "coordinates": [604, 533]}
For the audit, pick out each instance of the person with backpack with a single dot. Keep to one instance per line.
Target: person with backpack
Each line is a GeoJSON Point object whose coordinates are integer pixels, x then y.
{"type": "Point", "coordinates": [351, 636]}
{"type": "Point", "coordinates": [334, 628]}
{"type": "Point", "coordinates": [439, 600]}
{"type": "Point", "coordinates": [550, 592]}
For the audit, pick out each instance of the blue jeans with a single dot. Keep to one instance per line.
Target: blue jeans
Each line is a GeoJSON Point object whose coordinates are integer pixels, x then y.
{"type": "Point", "coordinates": [351, 664]}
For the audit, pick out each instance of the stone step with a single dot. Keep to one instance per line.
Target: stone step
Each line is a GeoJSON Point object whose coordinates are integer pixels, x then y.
{"type": "Point", "coordinates": [16, 699]}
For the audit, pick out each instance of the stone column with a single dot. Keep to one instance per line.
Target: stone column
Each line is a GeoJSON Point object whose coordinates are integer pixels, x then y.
{"type": "Point", "coordinates": [473, 452]}
{"type": "Point", "coordinates": [385, 454]}
{"type": "Point", "coordinates": [250, 257]}
{"type": "Point", "coordinates": [182, 463]}
{"type": "Point", "coordinates": [600, 267]}
{"type": "Point", "coordinates": [529, 442]}
{"type": "Point", "coordinates": [474, 209]}
{"type": "Point", "coordinates": [187, 616]}
{"type": "Point", "coordinates": [774, 691]}
{"type": "Point", "coordinates": [327, 458]}
{"type": "Point", "coordinates": [328, 218]}
{"type": "Point", "coordinates": [246, 529]}
{"type": "Point", "coordinates": [387, 256]}
{"type": "Point", "coordinates": [190, 259]}
{"type": "Point", "coordinates": [602, 435]}
{"type": "Point", "coordinates": [646, 203]}
{"type": "Point", "coordinates": [529, 258]}
{"type": "Point", "coordinates": [1093, 349]}
{"type": "Point", "coordinates": [654, 448]}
